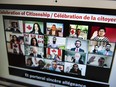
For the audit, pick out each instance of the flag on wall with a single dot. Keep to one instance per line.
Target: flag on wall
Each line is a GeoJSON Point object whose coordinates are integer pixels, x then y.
{"type": "Point", "coordinates": [54, 51]}
{"type": "Point", "coordinates": [28, 27]}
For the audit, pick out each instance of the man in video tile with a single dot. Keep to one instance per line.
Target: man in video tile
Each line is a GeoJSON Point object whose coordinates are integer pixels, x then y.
{"type": "Point", "coordinates": [78, 58]}
{"type": "Point", "coordinates": [54, 67]}
{"type": "Point", "coordinates": [53, 44]}
{"type": "Point", "coordinates": [34, 53]}
{"type": "Point", "coordinates": [107, 50]}
{"type": "Point", "coordinates": [77, 48]}
{"type": "Point", "coordinates": [14, 27]}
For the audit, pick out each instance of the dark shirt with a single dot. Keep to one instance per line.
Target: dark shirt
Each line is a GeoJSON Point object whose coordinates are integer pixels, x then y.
{"type": "Point", "coordinates": [15, 31]}
{"type": "Point", "coordinates": [39, 56]}
{"type": "Point", "coordinates": [56, 33]}
{"type": "Point", "coordinates": [80, 50]}
{"type": "Point", "coordinates": [33, 32]}
{"type": "Point", "coordinates": [78, 72]}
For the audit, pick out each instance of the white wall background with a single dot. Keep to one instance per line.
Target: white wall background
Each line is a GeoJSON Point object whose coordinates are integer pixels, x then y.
{"type": "Point", "coordinates": [106, 4]}
{"type": "Point", "coordinates": [78, 3]}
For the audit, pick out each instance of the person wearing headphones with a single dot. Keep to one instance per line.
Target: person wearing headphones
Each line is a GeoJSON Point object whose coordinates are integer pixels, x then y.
{"type": "Point", "coordinates": [77, 48]}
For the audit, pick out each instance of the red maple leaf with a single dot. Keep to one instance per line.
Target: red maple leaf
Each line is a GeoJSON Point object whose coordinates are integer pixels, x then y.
{"type": "Point", "coordinates": [29, 27]}
{"type": "Point", "coordinates": [72, 31]}
{"type": "Point", "coordinates": [53, 50]}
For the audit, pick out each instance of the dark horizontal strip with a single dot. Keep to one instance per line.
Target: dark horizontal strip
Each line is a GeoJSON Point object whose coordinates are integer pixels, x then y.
{"type": "Point", "coordinates": [59, 9]}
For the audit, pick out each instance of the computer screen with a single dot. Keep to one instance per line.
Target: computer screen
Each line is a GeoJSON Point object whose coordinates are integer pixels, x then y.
{"type": "Point", "coordinates": [72, 47]}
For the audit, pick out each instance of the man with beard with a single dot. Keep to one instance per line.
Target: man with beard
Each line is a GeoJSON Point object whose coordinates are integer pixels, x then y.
{"type": "Point", "coordinates": [14, 27]}
{"type": "Point", "coordinates": [53, 44]}
{"type": "Point", "coordinates": [107, 50]}
{"type": "Point", "coordinates": [77, 48]}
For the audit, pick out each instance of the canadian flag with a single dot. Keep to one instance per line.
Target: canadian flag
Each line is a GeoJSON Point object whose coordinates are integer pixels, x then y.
{"type": "Point", "coordinates": [28, 27]}
{"type": "Point", "coordinates": [54, 51]}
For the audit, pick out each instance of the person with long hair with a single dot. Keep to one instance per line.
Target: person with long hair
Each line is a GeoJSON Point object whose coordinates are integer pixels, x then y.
{"type": "Point", "coordinates": [29, 62]}
{"type": "Point", "coordinates": [36, 29]}
{"type": "Point", "coordinates": [34, 41]}
{"type": "Point", "coordinates": [15, 45]}
{"type": "Point", "coordinates": [41, 64]}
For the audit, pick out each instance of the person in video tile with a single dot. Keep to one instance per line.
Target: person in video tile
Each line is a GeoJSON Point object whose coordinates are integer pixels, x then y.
{"type": "Point", "coordinates": [79, 34]}
{"type": "Point", "coordinates": [29, 62]}
{"type": "Point", "coordinates": [77, 48]}
{"type": "Point", "coordinates": [91, 60]}
{"type": "Point", "coordinates": [34, 53]}
{"type": "Point", "coordinates": [41, 64]}
{"type": "Point", "coordinates": [77, 58]}
{"type": "Point", "coordinates": [100, 35]}
{"type": "Point", "coordinates": [54, 31]}
{"type": "Point", "coordinates": [15, 45]}
{"type": "Point", "coordinates": [14, 27]}
{"type": "Point", "coordinates": [95, 50]}
{"type": "Point", "coordinates": [36, 29]}
{"type": "Point", "coordinates": [34, 41]}
{"type": "Point", "coordinates": [107, 50]}
{"type": "Point", "coordinates": [54, 67]}
{"type": "Point", "coordinates": [75, 70]}
{"type": "Point", "coordinates": [101, 61]}
{"type": "Point", "coordinates": [53, 44]}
